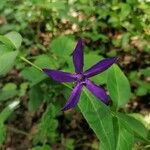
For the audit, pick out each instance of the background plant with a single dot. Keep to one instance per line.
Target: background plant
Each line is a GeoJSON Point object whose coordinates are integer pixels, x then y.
{"type": "Point", "coordinates": [49, 30]}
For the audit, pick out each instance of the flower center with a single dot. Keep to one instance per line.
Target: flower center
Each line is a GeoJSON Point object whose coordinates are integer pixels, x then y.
{"type": "Point", "coordinates": [81, 78]}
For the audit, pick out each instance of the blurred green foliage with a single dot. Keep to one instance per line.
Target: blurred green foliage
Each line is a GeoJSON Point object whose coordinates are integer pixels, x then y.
{"type": "Point", "coordinates": [49, 29]}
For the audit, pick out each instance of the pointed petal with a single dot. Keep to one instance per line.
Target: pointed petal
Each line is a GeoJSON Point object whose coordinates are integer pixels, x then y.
{"type": "Point", "coordinates": [60, 76]}
{"type": "Point", "coordinates": [74, 97]}
{"type": "Point", "coordinates": [100, 67]}
{"type": "Point", "coordinates": [78, 57]}
{"type": "Point", "coordinates": [97, 91]}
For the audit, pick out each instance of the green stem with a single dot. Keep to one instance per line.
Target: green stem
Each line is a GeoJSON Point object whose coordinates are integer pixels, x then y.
{"type": "Point", "coordinates": [27, 61]}
{"type": "Point", "coordinates": [30, 63]}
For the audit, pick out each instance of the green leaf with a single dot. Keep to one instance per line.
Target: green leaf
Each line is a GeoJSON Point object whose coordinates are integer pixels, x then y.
{"type": "Point", "coordinates": [99, 118]}
{"type": "Point", "coordinates": [2, 133]}
{"type": "Point", "coordinates": [118, 87]}
{"type": "Point", "coordinates": [47, 126]}
{"type": "Point", "coordinates": [124, 138]}
{"type": "Point", "coordinates": [33, 75]}
{"type": "Point", "coordinates": [125, 11]}
{"type": "Point", "coordinates": [134, 125]}
{"type": "Point", "coordinates": [10, 86]}
{"type": "Point", "coordinates": [144, 119]}
{"type": "Point", "coordinates": [15, 39]}
{"type": "Point", "coordinates": [45, 61]}
{"type": "Point", "coordinates": [35, 98]}
{"type": "Point", "coordinates": [23, 88]}
{"type": "Point", "coordinates": [8, 110]}
{"type": "Point", "coordinates": [12, 39]}
{"type": "Point", "coordinates": [7, 62]}
{"type": "Point", "coordinates": [125, 40]}
{"type": "Point", "coordinates": [5, 113]}
{"type": "Point", "coordinates": [91, 59]}
{"type": "Point", "coordinates": [62, 46]}
{"type": "Point", "coordinates": [141, 90]}
{"type": "Point", "coordinates": [6, 41]}
{"type": "Point", "coordinates": [146, 71]}
{"type": "Point", "coordinates": [5, 95]}
{"type": "Point", "coordinates": [8, 91]}
{"type": "Point", "coordinates": [4, 49]}
{"type": "Point", "coordinates": [69, 144]}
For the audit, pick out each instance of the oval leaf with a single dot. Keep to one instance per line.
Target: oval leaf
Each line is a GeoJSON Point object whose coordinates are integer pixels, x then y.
{"type": "Point", "coordinates": [134, 125]}
{"type": "Point", "coordinates": [7, 42]}
{"type": "Point", "coordinates": [99, 118]}
{"type": "Point", "coordinates": [62, 46]}
{"type": "Point", "coordinates": [124, 138]}
{"type": "Point", "coordinates": [118, 87]}
{"type": "Point", "coordinates": [7, 62]}
{"type": "Point", "coordinates": [35, 98]}
{"type": "Point", "coordinates": [15, 38]}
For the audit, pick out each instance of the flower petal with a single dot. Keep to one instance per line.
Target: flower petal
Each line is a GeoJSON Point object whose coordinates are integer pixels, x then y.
{"type": "Point", "coordinates": [78, 57]}
{"type": "Point", "coordinates": [60, 76]}
{"type": "Point", "coordinates": [74, 97]}
{"type": "Point", "coordinates": [97, 91]}
{"type": "Point", "coordinates": [100, 67]}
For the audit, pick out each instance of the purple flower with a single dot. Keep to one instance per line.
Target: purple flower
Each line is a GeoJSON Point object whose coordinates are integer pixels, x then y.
{"type": "Point", "coordinates": [80, 77]}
